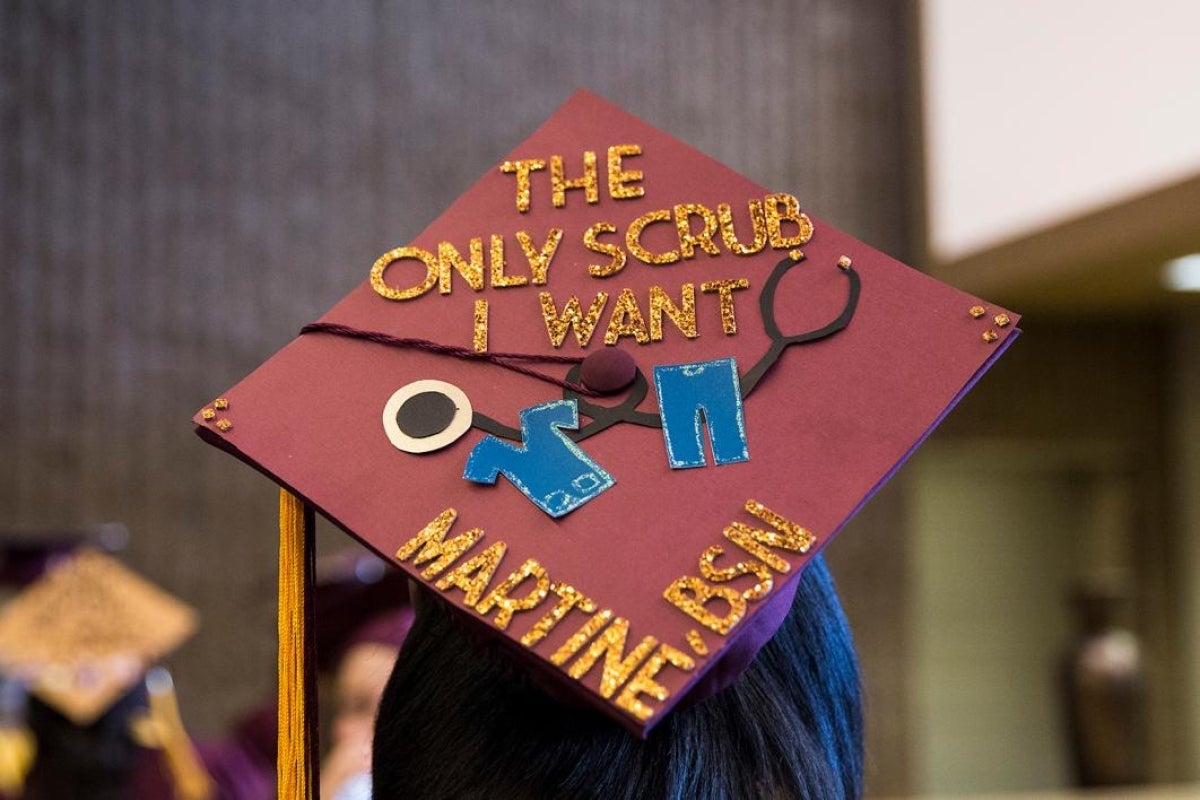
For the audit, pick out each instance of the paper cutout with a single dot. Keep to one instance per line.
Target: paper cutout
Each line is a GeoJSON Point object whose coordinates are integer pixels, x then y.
{"type": "Point", "coordinates": [693, 395]}
{"type": "Point", "coordinates": [548, 467]}
{"type": "Point", "coordinates": [427, 415]}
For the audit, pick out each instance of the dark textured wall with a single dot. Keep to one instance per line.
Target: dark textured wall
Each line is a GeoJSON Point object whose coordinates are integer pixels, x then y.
{"type": "Point", "coordinates": [185, 184]}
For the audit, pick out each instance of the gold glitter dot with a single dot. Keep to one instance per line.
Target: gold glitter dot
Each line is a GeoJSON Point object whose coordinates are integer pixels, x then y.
{"type": "Point", "coordinates": [844, 262]}
{"type": "Point", "coordinates": [224, 425]}
{"type": "Point", "coordinates": [1001, 320]}
{"type": "Point", "coordinates": [796, 255]}
{"type": "Point", "coordinates": [990, 336]}
{"type": "Point", "coordinates": [696, 642]}
{"type": "Point", "coordinates": [977, 311]}
{"type": "Point", "coordinates": [208, 414]}
{"type": "Point", "coordinates": [221, 403]}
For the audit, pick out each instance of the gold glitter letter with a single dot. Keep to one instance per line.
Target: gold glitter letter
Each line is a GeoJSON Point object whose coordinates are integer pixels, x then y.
{"type": "Point", "coordinates": [786, 208]}
{"type": "Point", "coordinates": [483, 566]}
{"type": "Point", "coordinates": [434, 545]}
{"type": "Point", "coordinates": [643, 682]}
{"type": "Point", "coordinates": [508, 606]}
{"type": "Point", "coordinates": [448, 256]}
{"type": "Point", "coordinates": [617, 177]}
{"type": "Point", "coordinates": [766, 579]}
{"type": "Point", "coordinates": [481, 324]}
{"type": "Point", "coordinates": [726, 289]}
{"type": "Point", "coordinates": [589, 183]}
{"type": "Point", "coordinates": [787, 535]}
{"type": "Point", "coordinates": [617, 666]}
{"type": "Point", "coordinates": [581, 636]}
{"type": "Point", "coordinates": [572, 317]}
{"type": "Point", "coordinates": [687, 239]}
{"type": "Point", "coordinates": [614, 252]}
{"type": "Point", "coordinates": [569, 598]}
{"type": "Point", "coordinates": [691, 596]}
{"type": "Point", "coordinates": [496, 266]}
{"type": "Point", "coordinates": [539, 260]}
{"type": "Point", "coordinates": [390, 257]}
{"type": "Point", "coordinates": [757, 222]}
{"type": "Point", "coordinates": [633, 239]}
{"type": "Point", "coordinates": [522, 169]}
{"type": "Point", "coordinates": [626, 320]}
{"type": "Point", "coordinates": [684, 318]}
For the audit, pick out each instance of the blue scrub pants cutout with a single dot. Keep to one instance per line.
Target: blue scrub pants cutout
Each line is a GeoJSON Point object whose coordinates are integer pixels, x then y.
{"type": "Point", "coordinates": [547, 467]}
{"type": "Point", "coordinates": [691, 395]}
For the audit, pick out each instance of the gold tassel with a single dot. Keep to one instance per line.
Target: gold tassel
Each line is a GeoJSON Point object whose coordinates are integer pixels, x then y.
{"type": "Point", "coordinates": [17, 751]}
{"type": "Point", "coordinates": [161, 727]}
{"type": "Point", "coordinates": [295, 766]}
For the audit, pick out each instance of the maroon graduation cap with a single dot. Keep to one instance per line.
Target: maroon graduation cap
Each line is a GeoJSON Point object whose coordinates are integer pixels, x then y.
{"type": "Point", "coordinates": [610, 403]}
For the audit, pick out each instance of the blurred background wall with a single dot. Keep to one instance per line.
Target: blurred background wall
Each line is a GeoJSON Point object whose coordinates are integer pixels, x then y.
{"type": "Point", "coordinates": [1062, 178]}
{"type": "Point", "coordinates": [183, 185]}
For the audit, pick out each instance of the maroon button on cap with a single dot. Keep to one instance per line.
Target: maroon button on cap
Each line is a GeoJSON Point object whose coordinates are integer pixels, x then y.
{"type": "Point", "coordinates": [608, 371]}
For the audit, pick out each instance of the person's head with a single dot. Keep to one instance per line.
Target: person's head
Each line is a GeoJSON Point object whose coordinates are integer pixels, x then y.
{"type": "Point", "coordinates": [460, 720]}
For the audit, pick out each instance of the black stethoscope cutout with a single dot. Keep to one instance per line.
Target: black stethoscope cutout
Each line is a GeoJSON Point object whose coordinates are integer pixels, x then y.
{"type": "Point", "coordinates": [604, 417]}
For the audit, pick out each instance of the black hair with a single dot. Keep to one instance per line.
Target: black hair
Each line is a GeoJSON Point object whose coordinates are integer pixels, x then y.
{"type": "Point", "coordinates": [458, 720]}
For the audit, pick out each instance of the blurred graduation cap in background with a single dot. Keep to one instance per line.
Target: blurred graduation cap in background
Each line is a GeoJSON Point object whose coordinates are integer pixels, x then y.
{"type": "Point", "coordinates": [84, 637]}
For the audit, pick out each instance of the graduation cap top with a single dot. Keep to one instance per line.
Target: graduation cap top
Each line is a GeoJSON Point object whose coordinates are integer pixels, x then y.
{"type": "Point", "coordinates": [611, 402]}
{"type": "Point", "coordinates": [86, 631]}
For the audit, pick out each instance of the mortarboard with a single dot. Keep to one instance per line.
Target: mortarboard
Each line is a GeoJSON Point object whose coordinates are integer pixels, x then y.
{"type": "Point", "coordinates": [83, 634]}
{"type": "Point", "coordinates": [608, 405]}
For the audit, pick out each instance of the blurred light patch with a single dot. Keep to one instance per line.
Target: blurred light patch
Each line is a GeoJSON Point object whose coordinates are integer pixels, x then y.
{"type": "Point", "coordinates": [1182, 274]}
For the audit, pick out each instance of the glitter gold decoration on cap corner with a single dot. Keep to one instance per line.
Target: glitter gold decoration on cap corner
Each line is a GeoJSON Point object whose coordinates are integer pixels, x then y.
{"type": "Point", "coordinates": [87, 630]}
